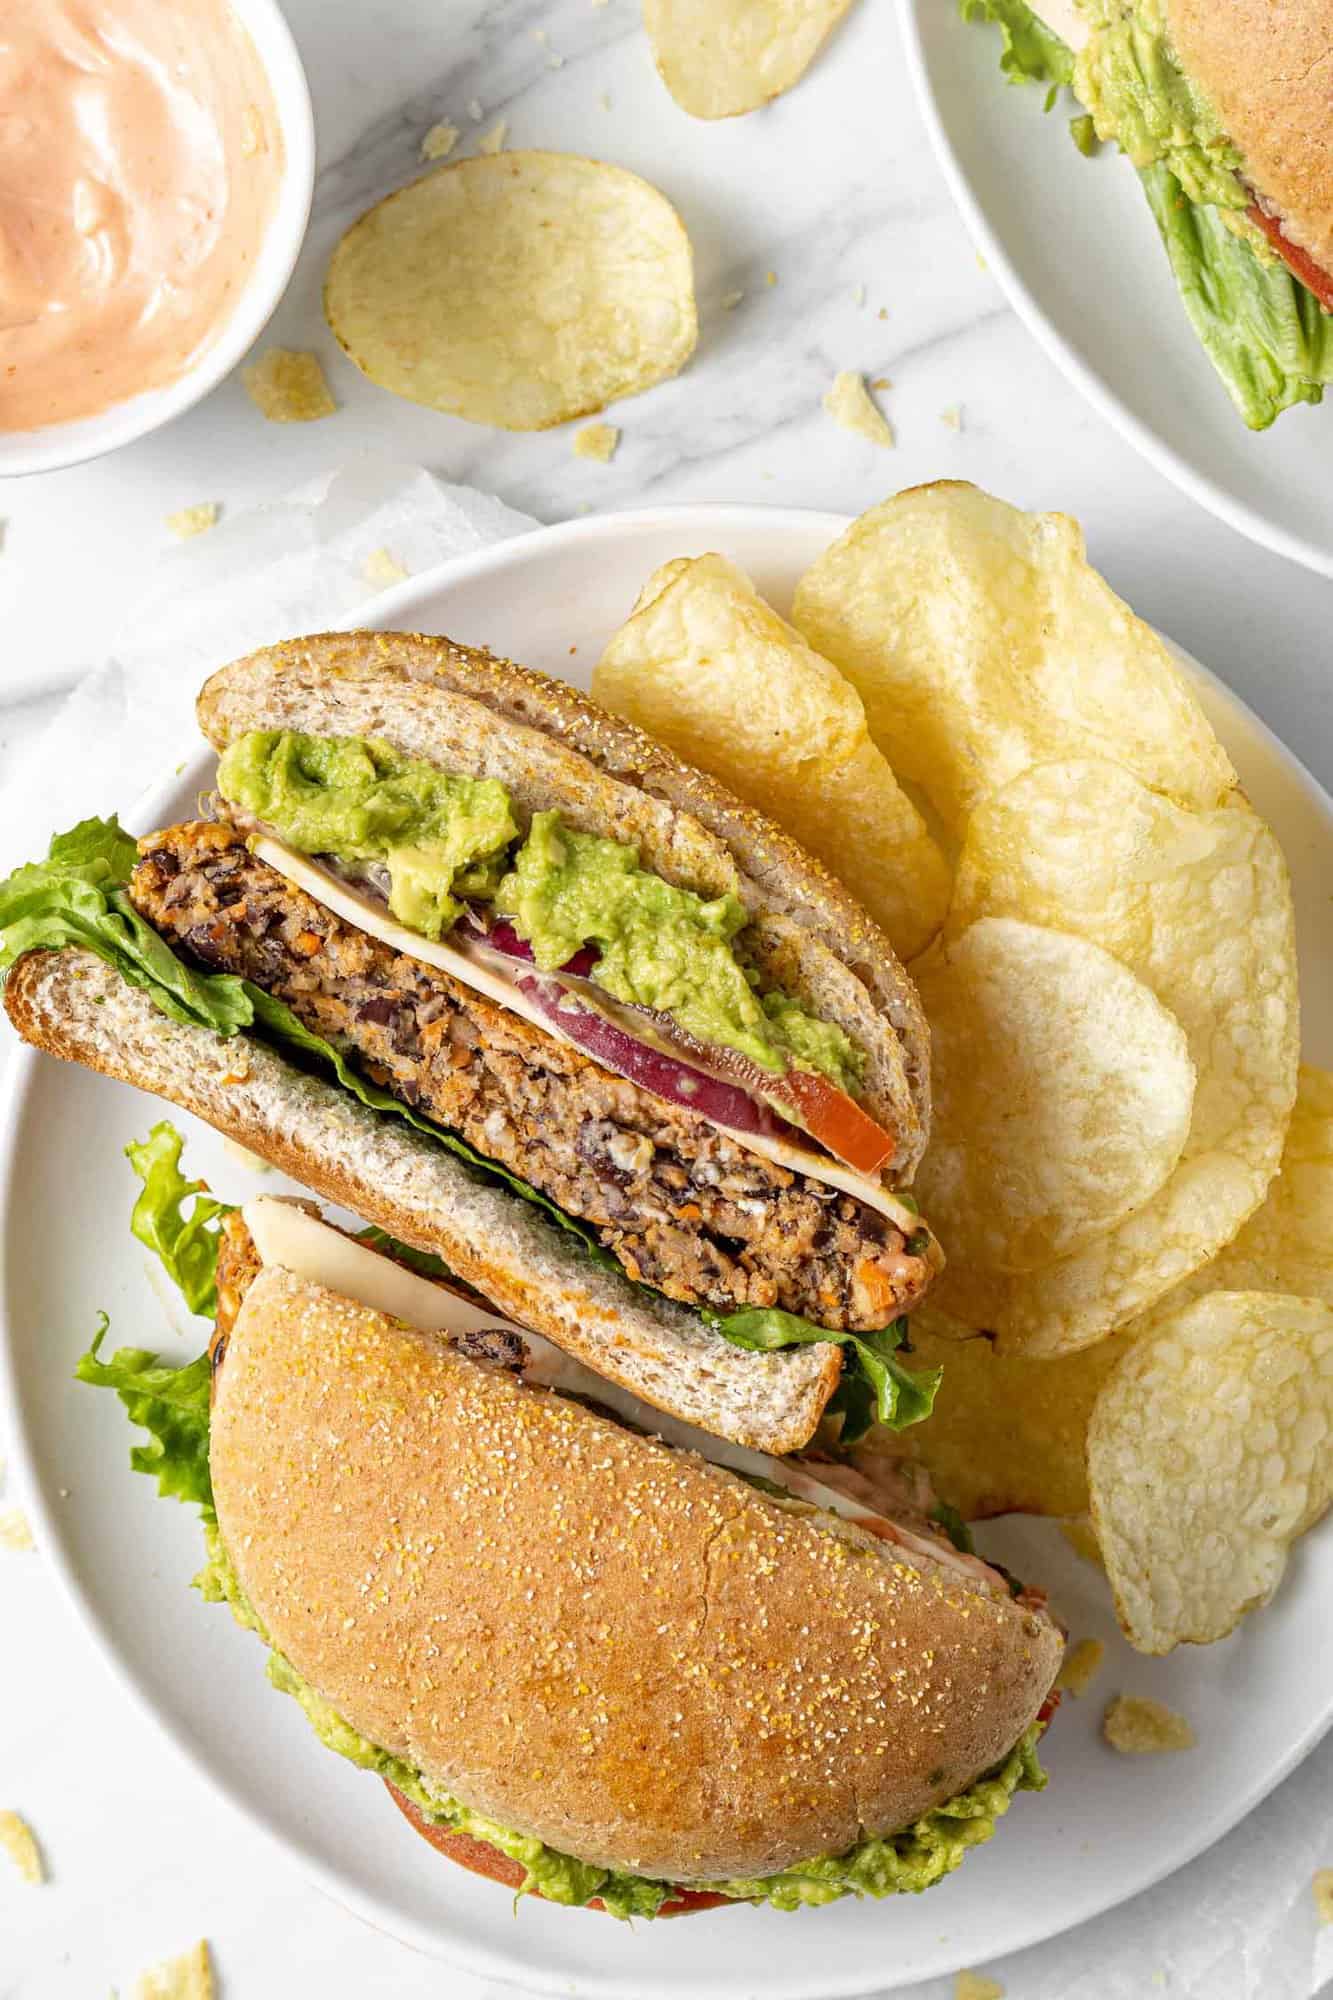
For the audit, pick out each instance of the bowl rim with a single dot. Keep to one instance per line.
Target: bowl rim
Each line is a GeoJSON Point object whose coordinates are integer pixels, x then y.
{"type": "Point", "coordinates": [79, 439]}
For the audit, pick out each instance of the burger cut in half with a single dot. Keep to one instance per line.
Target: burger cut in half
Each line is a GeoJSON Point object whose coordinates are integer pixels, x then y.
{"type": "Point", "coordinates": [593, 1653]}
{"type": "Point", "coordinates": [457, 948]}
{"type": "Point", "coordinates": [1225, 108]}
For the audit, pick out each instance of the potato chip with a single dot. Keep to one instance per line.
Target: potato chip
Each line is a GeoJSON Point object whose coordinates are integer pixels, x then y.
{"type": "Point", "coordinates": [1321, 1888]}
{"type": "Point", "coordinates": [1063, 1092]}
{"type": "Point", "coordinates": [1080, 1666]}
{"type": "Point", "coordinates": [722, 57]}
{"type": "Point", "coordinates": [189, 1977]}
{"type": "Point", "coordinates": [597, 441]}
{"type": "Point", "coordinates": [983, 642]}
{"type": "Point", "coordinates": [1210, 1447]}
{"type": "Point", "coordinates": [518, 289]}
{"type": "Point", "coordinates": [287, 386]}
{"type": "Point", "coordinates": [20, 1844]}
{"type": "Point", "coordinates": [708, 668]}
{"type": "Point", "coordinates": [1080, 1534]}
{"type": "Point", "coordinates": [196, 520]}
{"type": "Point", "coordinates": [1198, 906]}
{"type": "Point", "coordinates": [1287, 1244]}
{"type": "Point", "coordinates": [1006, 1435]}
{"type": "Point", "coordinates": [849, 403]}
{"type": "Point", "coordinates": [1138, 1726]}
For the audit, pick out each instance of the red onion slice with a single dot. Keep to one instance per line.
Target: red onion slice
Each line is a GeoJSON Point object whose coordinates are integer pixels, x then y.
{"type": "Point", "coordinates": [501, 937]}
{"type": "Point", "coordinates": [721, 1103]}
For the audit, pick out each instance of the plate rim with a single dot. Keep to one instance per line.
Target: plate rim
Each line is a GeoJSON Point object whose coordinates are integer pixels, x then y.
{"type": "Point", "coordinates": [1196, 486]}
{"type": "Point", "coordinates": [456, 1949]}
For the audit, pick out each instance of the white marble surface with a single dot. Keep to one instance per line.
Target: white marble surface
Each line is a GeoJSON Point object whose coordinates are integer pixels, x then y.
{"type": "Point", "coordinates": [832, 190]}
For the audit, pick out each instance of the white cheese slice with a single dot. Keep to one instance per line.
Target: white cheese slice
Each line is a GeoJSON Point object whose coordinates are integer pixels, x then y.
{"type": "Point", "coordinates": [1063, 18]}
{"type": "Point", "coordinates": [354, 907]}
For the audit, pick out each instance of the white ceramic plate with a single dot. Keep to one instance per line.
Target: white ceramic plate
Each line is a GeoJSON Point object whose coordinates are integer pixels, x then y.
{"type": "Point", "coordinates": [1075, 247]}
{"type": "Point", "coordinates": [1106, 1827]}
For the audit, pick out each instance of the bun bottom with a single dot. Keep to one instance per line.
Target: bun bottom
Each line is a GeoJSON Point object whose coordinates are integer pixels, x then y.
{"type": "Point", "coordinates": [483, 1859]}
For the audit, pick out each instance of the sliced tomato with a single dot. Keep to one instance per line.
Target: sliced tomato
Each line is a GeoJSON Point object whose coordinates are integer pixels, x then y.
{"type": "Point", "coordinates": [836, 1120]}
{"type": "Point", "coordinates": [1299, 262]}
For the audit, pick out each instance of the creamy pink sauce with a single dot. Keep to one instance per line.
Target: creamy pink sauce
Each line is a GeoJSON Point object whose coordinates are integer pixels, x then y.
{"type": "Point", "coordinates": [140, 161]}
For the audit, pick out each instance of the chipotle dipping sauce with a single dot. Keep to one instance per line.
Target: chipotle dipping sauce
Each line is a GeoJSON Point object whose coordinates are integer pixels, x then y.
{"type": "Point", "coordinates": [140, 161]}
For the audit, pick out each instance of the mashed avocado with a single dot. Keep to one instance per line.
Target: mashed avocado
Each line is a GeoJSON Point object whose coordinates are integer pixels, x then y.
{"type": "Point", "coordinates": [913, 1860]}
{"type": "Point", "coordinates": [1130, 81]}
{"type": "Point", "coordinates": [442, 838]}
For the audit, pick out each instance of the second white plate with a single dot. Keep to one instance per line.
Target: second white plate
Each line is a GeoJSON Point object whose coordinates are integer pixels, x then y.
{"type": "Point", "coordinates": [1074, 245]}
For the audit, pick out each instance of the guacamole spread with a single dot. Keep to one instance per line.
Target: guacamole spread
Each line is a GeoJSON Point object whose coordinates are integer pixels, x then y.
{"type": "Point", "coordinates": [1129, 79]}
{"type": "Point", "coordinates": [913, 1860]}
{"type": "Point", "coordinates": [443, 838]}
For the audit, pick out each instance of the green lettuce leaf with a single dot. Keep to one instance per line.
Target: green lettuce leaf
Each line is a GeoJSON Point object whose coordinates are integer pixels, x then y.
{"type": "Point", "coordinates": [171, 1404]}
{"type": "Point", "coordinates": [187, 1246]}
{"type": "Point", "coordinates": [875, 1387]}
{"type": "Point", "coordinates": [76, 897]}
{"type": "Point", "coordinates": [1264, 331]}
{"type": "Point", "coordinates": [1032, 54]}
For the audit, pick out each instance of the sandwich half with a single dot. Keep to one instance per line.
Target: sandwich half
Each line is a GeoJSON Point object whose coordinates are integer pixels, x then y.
{"type": "Point", "coordinates": [594, 1655]}
{"type": "Point", "coordinates": [453, 946]}
{"type": "Point", "coordinates": [1225, 107]}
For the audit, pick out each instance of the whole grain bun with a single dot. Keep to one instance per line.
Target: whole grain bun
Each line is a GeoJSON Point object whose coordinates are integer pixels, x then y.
{"type": "Point", "coordinates": [598, 1641]}
{"type": "Point", "coordinates": [464, 709]}
{"type": "Point", "coordinates": [1266, 68]}
{"type": "Point", "coordinates": [71, 1004]}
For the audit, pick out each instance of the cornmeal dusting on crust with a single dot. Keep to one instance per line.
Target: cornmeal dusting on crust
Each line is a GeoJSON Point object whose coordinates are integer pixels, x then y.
{"type": "Point", "coordinates": [1138, 1726]}
{"type": "Point", "coordinates": [638, 1571]}
{"type": "Point", "coordinates": [17, 1839]}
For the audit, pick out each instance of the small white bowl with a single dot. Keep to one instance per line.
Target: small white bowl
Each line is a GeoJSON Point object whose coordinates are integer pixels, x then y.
{"type": "Point", "coordinates": [89, 437]}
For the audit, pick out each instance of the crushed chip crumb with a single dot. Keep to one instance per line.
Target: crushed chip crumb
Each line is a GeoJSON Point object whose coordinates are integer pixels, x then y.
{"type": "Point", "coordinates": [952, 418]}
{"type": "Point", "coordinates": [493, 141]}
{"type": "Point", "coordinates": [474, 110]}
{"type": "Point", "coordinates": [1082, 1539]}
{"type": "Point", "coordinates": [976, 1986]}
{"type": "Point", "coordinates": [254, 139]}
{"type": "Point", "coordinates": [730, 301]}
{"type": "Point", "coordinates": [287, 386]}
{"type": "Point", "coordinates": [982, 265]}
{"type": "Point", "coordinates": [1138, 1726]}
{"type": "Point", "coordinates": [848, 403]}
{"type": "Point", "coordinates": [554, 61]}
{"type": "Point", "coordinates": [15, 1531]}
{"type": "Point", "coordinates": [539, 34]}
{"type": "Point", "coordinates": [606, 95]}
{"type": "Point", "coordinates": [1081, 1663]}
{"type": "Point", "coordinates": [1321, 1887]}
{"type": "Point", "coordinates": [881, 382]}
{"type": "Point", "coordinates": [19, 1843]}
{"type": "Point", "coordinates": [189, 1977]}
{"type": "Point", "coordinates": [440, 141]}
{"type": "Point", "coordinates": [196, 520]}
{"type": "Point", "coordinates": [883, 313]}
{"type": "Point", "coordinates": [597, 441]}
{"type": "Point", "coordinates": [770, 277]}
{"type": "Point", "coordinates": [860, 295]}
{"type": "Point", "coordinates": [383, 568]}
